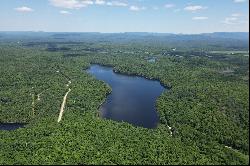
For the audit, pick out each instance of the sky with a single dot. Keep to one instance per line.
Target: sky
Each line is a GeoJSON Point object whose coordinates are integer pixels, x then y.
{"type": "Point", "coordinates": [114, 16]}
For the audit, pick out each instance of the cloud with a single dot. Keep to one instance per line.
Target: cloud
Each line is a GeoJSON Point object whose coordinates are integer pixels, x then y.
{"type": "Point", "coordinates": [117, 3]}
{"type": "Point", "coordinates": [100, 2]}
{"type": "Point", "coordinates": [24, 9]}
{"type": "Point", "coordinates": [136, 8]}
{"type": "Point", "coordinates": [71, 4]}
{"type": "Point", "coordinates": [199, 18]}
{"type": "Point", "coordinates": [235, 18]}
{"type": "Point", "coordinates": [194, 8]}
{"type": "Point", "coordinates": [239, 1]}
{"type": "Point", "coordinates": [169, 6]}
{"type": "Point", "coordinates": [236, 15]}
{"type": "Point", "coordinates": [231, 20]}
{"type": "Point", "coordinates": [77, 4]}
{"type": "Point", "coordinates": [65, 12]}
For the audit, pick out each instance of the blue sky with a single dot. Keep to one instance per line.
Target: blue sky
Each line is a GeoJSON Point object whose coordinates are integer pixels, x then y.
{"type": "Point", "coordinates": [164, 16]}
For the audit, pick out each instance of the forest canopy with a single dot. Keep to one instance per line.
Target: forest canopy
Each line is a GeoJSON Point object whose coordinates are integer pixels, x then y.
{"type": "Point", "coordinates": [207, 106]}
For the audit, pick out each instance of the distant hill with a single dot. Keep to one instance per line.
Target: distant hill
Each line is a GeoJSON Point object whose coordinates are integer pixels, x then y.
{"type": "Point", "coordinates": [232, 35]}
{"type": "Point", "coordinates": [214, 41]}
{"type": "Point", "coordinates": [223, 35]}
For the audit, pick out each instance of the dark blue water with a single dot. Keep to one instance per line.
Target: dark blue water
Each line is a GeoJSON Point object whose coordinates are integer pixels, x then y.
{"type": "Point", "coordinates": [132, 99]}
{"type": "Point", "coordinates": [11, 126]}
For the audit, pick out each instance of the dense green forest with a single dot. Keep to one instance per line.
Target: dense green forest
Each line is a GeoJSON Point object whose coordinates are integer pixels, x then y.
{"type": "Point", "coordinates": [207, 104]}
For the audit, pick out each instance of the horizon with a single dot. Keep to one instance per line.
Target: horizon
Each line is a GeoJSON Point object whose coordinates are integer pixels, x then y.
{"type": "Point", "coordinates": [124, 16]}
{"type": "Point", "coordinates": [119, 32]}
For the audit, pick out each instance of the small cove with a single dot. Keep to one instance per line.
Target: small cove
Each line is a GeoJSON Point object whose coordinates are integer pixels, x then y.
{"type": "Point", "coordinates": [11, 126]}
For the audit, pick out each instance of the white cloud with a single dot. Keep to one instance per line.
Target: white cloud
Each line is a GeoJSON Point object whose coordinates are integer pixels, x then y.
{"type": "Point", "coordinates": [236, 15]}
{"type": "Point", "coordinates": [24, 9]}
{"type": "Point", "coordinates": [169, 6]}
{"type": "Point", "coordinates": [71, 4]}
{"type": "Point", "coordinates": [239, 1]}
{"type": "Point", "coordinates": [117, 3]}
{"type": "Point", "coordinates": [199, 18]}
{"type": "Point", "coordinates": [194, 8]}
{"type": "Point", "coordinates": [136, 8]}
{"type": "Point", "coordinates": [100, 2]}
{"type": "Point", "coordinates": [77, 4]}
{"type": "Point", "coordinates": [65, 12]}
{"type": "Point", "coordinates": [236, 18]}
{"type": "Point", "coordinates": [231, 20]}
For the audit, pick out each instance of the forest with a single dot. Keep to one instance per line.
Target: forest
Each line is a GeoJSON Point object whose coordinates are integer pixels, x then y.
{"type": "Point", "coordinates": [207, 104]}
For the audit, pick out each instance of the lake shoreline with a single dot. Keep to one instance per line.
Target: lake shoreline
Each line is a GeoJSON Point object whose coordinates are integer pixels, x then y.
{"type": "Point", "coordinates": [168, 87]}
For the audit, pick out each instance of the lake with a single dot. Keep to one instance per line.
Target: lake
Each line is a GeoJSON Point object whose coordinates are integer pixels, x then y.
{"type": "Point", "coordinates": [151, 59]}
{"type": "Point", "coordinates": [132, 99]}
{"type": "Point", "coordinates": [11, 126]}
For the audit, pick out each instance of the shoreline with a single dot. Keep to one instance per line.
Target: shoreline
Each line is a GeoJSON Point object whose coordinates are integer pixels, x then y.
{"type": "Point", "coordinates": [168, 87]}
